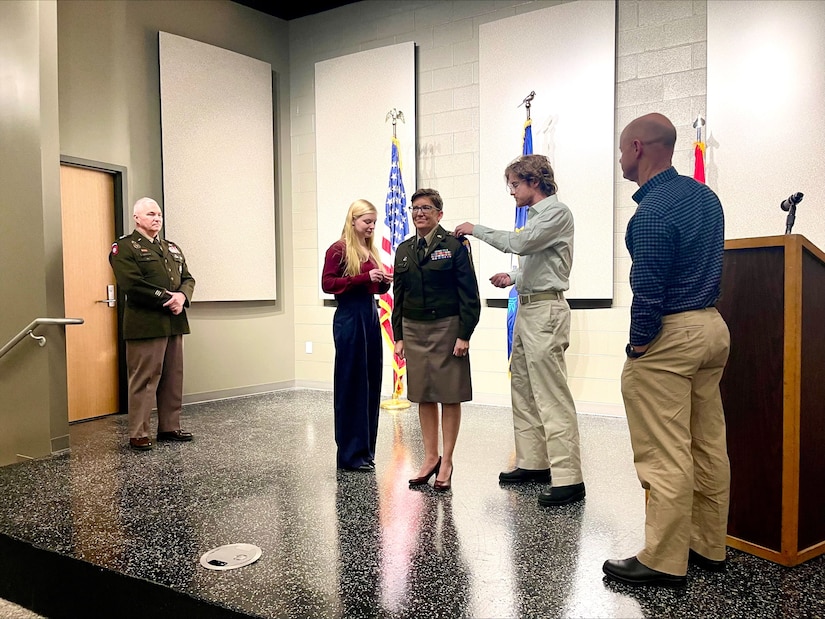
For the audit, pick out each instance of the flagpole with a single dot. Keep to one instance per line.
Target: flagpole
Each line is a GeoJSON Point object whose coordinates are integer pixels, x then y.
{"type": "Point", "coordinates": [395, 209]}
{"type": "Point", "coordinates": [698, 124]}
{"type": "Point", "coordinates": [520, 222]}
{"type": "Point", "coordinates": [528, 101]}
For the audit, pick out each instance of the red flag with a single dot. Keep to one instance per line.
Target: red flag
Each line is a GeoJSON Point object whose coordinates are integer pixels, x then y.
{"type": "Point", "coordinates": [699, 165]}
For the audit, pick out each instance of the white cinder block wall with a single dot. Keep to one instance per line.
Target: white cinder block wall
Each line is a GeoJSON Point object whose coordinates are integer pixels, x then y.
{"type": "Point", "coordinates": [660, 66]}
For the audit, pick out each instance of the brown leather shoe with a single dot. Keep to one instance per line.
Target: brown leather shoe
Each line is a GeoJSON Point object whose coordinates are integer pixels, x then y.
{"type": "Point", "coordinates": [175, 435]}
{"type": "Point", "coordinates": [140, 444]}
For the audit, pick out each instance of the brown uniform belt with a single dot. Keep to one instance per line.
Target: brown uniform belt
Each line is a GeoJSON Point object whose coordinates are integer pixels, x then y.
{"type": "Point", "coordinates": [550, 295]}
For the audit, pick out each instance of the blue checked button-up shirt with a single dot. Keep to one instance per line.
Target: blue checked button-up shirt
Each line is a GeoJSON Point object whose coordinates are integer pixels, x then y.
{"type": "Point", "coordinates": [676, 240]}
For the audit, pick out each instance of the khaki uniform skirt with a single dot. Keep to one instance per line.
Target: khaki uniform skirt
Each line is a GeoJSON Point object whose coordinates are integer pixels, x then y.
{"type": "Point", "coordinates": [434, 374]}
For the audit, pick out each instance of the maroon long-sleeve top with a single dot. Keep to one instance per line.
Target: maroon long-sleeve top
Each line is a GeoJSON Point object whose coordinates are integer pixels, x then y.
{"type": "Point", "coordinates": [333, 280]}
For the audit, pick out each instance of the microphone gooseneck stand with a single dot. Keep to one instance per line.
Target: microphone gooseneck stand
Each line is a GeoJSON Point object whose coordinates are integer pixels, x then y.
{"type": "Point", "coordinates": [790, 219]}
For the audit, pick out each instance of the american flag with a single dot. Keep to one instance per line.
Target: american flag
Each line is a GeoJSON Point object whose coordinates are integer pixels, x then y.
{"type": "Point", "coordinates": [396, 228]}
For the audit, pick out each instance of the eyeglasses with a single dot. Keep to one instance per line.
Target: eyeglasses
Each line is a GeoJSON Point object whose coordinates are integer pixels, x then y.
{"type": "Point", "coordinates": [422, 209]}
{"type": "Point", "coordinates": [514, 184]}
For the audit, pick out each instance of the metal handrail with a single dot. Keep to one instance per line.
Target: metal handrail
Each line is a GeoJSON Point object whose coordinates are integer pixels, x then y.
{"type": "Point", "coordinates": [32, 326]}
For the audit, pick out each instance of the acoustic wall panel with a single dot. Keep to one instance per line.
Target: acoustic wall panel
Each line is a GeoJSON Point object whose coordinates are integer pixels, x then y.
{"type": "Point", "coordinates": [218, 167]}
{"type": "Point", "coordinates": [566, 54]}
{"type": "Point", "coordinates": [353, 137]}
{"type": "Point", "coordinates": [766, 114]}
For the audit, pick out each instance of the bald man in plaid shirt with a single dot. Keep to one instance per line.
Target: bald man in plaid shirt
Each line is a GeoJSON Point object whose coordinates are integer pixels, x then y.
{"type": "Point", "coordinates": [677, 352]}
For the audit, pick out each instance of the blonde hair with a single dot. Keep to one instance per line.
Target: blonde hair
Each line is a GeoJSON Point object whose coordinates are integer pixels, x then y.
{"type": "Point", "coordinates": [352, 256]}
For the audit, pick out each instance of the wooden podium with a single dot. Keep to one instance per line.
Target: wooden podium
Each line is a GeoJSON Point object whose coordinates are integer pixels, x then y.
{"type": "Point", "coordinates": [773, 390]}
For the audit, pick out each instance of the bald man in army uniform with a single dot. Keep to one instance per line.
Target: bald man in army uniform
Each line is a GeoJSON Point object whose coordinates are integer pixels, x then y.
{"type": "Point", "coordinates": [153, 275]}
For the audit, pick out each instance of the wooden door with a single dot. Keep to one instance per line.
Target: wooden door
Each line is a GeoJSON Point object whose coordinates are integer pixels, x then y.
{"type": "Point", "coordinates": [88, 206]}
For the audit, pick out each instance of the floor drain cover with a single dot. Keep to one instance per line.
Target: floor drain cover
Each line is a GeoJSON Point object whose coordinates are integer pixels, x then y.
{"type": "Point", "coordinates": [230, 556]}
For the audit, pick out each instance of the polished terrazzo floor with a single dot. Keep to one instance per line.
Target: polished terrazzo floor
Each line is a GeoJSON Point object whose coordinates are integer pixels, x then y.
{"type": "Point", "coordinates": [9, 610]}
{"type": "Point", "coordinates": [261, 470]}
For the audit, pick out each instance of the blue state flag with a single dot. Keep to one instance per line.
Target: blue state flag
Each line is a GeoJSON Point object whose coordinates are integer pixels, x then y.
{"type": "Point", "coordinates": [521, 221]}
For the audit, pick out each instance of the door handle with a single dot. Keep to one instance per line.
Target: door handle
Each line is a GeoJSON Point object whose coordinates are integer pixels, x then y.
{"type": "Point", "coordinates": [110, 299]}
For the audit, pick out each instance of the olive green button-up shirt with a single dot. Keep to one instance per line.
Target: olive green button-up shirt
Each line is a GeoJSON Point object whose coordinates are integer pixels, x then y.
{"type": "Point", "coordinates": [544, 247]}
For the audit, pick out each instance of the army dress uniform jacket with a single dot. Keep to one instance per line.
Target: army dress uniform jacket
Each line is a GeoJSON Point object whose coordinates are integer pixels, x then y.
{"type": "Point", "coordinates": [146, 272]}
{"type": "Point", "coordinates": [442, 284]}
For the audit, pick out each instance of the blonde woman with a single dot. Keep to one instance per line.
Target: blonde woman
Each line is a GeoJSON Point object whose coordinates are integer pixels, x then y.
{"type": "Point", "coordinates": [354, 274]}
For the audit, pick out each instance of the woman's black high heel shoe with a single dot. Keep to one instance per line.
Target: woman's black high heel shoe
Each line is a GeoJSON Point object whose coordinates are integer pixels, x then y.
{"type": "Point", "coordinates": [443, 486]}
{"type": "Point", "coordinates": [420, 481]}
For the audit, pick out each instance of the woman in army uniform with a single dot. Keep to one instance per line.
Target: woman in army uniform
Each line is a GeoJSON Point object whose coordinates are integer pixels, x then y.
{"type": "Point", "coordinates": [436, 308]}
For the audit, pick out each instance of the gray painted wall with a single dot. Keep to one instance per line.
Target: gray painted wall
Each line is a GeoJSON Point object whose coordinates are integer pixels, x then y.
{"type": "Point", "coordinates": [33, 418]}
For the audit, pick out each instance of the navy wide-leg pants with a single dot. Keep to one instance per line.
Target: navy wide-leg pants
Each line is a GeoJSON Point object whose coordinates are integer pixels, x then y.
{"type": "Point", "coordinates": [358, 366]}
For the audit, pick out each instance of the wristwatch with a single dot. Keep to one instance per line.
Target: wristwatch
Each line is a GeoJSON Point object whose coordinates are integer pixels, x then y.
{"type": "Point", "coordinates": [632, 353]}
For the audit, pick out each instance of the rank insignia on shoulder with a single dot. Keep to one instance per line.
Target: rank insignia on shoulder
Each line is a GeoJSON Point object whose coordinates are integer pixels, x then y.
{"type": "Point", "coordinates": [114, 248]}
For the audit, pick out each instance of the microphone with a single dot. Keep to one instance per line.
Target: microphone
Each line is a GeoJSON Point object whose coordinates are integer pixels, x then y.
{"type": "Point", "coordinates": [789, 205]}
{"type": "Point", "coordinates": [791, 201]}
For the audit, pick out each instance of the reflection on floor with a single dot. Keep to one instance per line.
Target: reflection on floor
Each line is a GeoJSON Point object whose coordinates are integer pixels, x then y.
{"type": "Point", "coordinates": [261, 470]}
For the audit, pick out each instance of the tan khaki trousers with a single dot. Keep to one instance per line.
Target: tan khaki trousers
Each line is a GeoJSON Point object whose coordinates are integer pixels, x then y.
{"type": "Point", "coordinates": [677, 429]}
{"type": "Point", "coordinates": [544, 416]}
{"type": "Point", "coordinates": [155, 372]}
